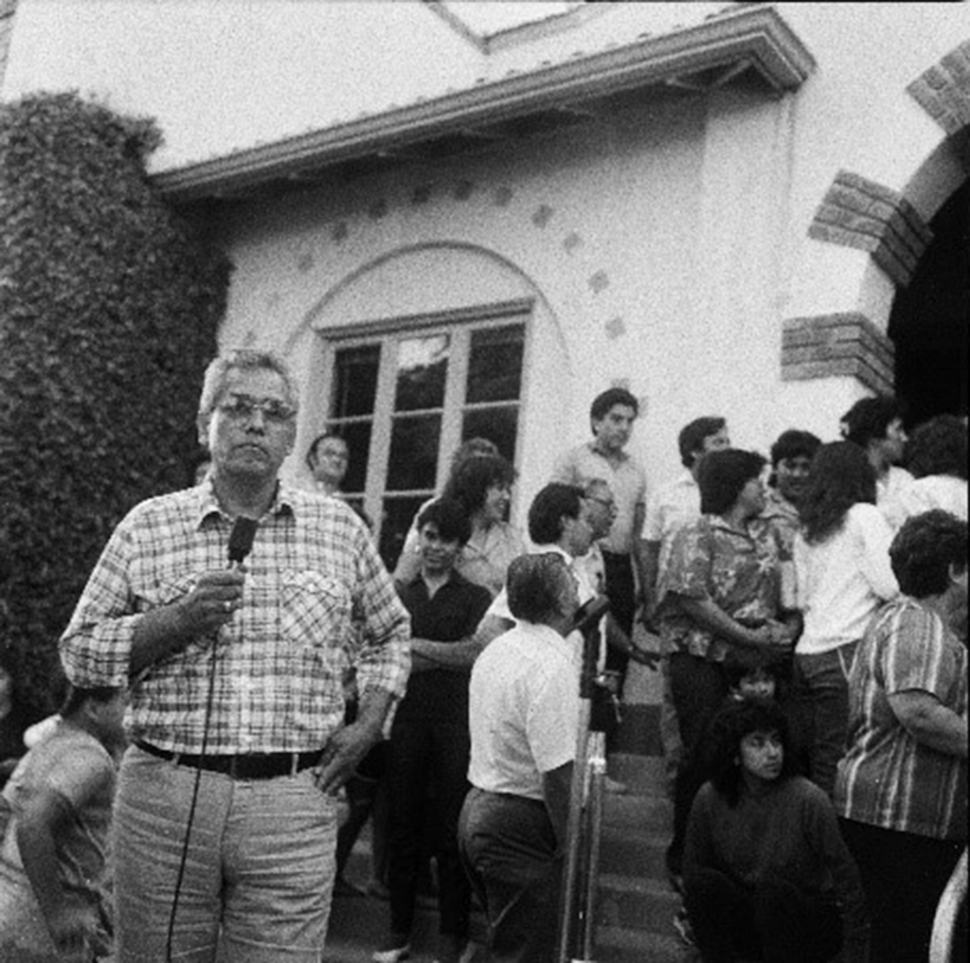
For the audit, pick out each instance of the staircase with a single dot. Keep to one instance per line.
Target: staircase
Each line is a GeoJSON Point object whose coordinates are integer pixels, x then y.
{"type": "Point", "coordinates": [636, 905]}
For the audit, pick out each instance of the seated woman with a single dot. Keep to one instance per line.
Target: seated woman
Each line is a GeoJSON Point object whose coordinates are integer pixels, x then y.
{"type": "Point", "coordinates": [766, 872]}
{"type": "Point", "coordinates": [902, 786]}
{"type": "Point", "coordinates": [720, 591]}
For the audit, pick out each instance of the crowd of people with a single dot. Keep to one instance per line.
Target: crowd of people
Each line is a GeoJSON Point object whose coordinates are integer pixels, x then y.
{"type": "Point", "coordinates": [809, 612]}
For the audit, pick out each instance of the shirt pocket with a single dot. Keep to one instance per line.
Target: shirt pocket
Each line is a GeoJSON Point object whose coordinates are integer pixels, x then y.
{"type": "Point", "coordinates": [315, 610]}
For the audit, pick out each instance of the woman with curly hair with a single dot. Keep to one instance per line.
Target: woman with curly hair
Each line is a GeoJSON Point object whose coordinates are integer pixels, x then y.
{"type": "Point", "coordinates": [483, 487]}
{"type": "Point", "coordinates": [842, 576]}
{"type": "Point", "coordinates": [937, 456]}
{"type": "Point", "coordinates": [901, 787]}
{"type": "Point", "coordinates": [765, 869]}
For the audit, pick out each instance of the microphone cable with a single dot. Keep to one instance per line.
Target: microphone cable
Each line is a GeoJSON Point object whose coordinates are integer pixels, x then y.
{"type": "Point", "coordinates": [240, 544]}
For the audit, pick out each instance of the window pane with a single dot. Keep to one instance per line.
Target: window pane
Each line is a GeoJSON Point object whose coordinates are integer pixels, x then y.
{"type": "Point", "coordinates": [355, 381]}
{"type": "Point", "coordinates": [357, 436]}
{"type": "Point", "coordinates": [398, 514]}
{"type": "Point", "coordinates": [495, 364]}
{"type": "Point", "coordinates": [414, 453]}
{"type": "Point", "coordinates": [422, 367]}
{"type": "Point", "coordinates": [500, 425]}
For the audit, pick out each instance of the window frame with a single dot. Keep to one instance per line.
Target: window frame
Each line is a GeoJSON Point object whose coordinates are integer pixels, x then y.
{"type": "Point", "coordinates": [390, 331]}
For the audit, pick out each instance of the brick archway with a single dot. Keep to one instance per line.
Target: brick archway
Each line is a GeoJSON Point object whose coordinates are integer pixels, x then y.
{"type": "Point", "coordinates": [858, 213]}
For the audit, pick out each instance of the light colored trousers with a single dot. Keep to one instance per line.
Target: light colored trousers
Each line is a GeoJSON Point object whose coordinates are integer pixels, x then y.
{"type": "Point", "coordinates": [259, 874]}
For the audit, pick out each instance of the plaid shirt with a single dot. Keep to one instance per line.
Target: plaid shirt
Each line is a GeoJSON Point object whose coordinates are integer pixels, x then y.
{"type": "Point", "coordinates": [316, 597]}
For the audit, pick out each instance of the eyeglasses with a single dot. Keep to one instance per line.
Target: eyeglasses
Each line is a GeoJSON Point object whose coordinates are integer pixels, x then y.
{"type": "Point", "coordinates": [606, 503]}
{"type": "Point", "coordinates": [242, 407]}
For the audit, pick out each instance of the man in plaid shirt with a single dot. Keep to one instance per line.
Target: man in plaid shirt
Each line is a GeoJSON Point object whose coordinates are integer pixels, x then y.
{"type": "Point", "coordinates": [225, 820]}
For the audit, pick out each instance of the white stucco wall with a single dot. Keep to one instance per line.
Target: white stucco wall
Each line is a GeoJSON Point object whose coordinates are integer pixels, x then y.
{"type": "Point", "coordinates": [664, 247]}
{"type": "Point", "coordinates": [655, 243]}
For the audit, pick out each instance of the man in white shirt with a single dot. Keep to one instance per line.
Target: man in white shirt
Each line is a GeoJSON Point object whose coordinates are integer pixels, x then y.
{"type": "Point", "coordinates": [876, 425]}
{"type": "Point", "coordinates": [524, 717]}
{"type": "Point", "coordinates": [612, 415]}
{"type": "Point", "coordinates": [678, 501]}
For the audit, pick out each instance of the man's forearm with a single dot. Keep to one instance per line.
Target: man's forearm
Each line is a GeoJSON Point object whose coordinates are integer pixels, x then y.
{"type": "Point", "coordinates": [458, 655]}
{"type": "Point", "coordinates": [160, 633]}
{"type": "Point", "coordinates": [372, 710]}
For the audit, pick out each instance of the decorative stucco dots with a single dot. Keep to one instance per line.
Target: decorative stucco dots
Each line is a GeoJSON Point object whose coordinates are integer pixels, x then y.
{"type": "Point", "coordinates": [599, 281]}
{"type": "Point", "coordinates": [572, 242]}
{"type": "Point", "coordinates": [463, 190]}
{"type": "Point", "coordinates": [421, 194]}
{"type": "Point", "coordinates": [615, 328]}
{"type": "Point", "coordinates": [542, 215]}
{"type": "Point", "coordinates": [503, 196]}
{"type": "Point", "coordinates": [339, 232]}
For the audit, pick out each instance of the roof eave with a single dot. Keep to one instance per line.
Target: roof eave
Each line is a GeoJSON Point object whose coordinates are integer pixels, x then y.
{"type": "Point", "coordinates": [755, 36]}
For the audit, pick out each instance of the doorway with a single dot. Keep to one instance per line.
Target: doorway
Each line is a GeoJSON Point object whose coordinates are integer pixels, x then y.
{"type": "Point", "coordinates": [929, 319]}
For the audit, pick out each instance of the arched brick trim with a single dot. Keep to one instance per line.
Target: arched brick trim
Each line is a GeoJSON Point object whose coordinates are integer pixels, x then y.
{"type": "Point", "coordinates": [860, 213]}
{"type": "Point", "coordinates": [943, 91]}
{"type": "Point", "coordinates": [834, 345]}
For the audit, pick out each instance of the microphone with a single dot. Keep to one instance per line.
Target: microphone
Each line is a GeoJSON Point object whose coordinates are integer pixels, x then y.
{"type": "Point", "coordinates": [589, 613]}
{"type": "Point", "coordinates": [241, 540]}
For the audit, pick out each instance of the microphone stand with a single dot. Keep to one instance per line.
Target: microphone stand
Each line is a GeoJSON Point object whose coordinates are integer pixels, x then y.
{"type": "Point", "coordinates": [581, 866]}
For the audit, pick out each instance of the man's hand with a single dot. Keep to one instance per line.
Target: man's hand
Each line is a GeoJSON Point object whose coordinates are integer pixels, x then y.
{"type": "Point", "coordinates": [781, 635]}
{"type": "Point", "coordinates": [343, 753]}
{"type": "Point", "coordinates": [212, 603]}
{"type": "Point", "coordinates": [170, 628]}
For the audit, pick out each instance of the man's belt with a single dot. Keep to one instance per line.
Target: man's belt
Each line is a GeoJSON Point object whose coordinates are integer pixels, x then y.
{"type": "Point", "coordinates": [268, 765]}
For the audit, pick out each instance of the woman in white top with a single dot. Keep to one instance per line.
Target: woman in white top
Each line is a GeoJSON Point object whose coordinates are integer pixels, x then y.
{"type": "Point", "coordinates": [843, 575]}
{"type": "Point", "coordinates": [937, 459]}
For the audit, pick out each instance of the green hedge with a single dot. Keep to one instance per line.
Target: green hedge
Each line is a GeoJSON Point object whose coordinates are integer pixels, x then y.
{"type": "Point", "coordinates": [109, 306]}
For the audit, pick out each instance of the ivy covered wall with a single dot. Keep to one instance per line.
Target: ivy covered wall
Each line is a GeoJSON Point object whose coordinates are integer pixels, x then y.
{"type": "Point", "coordinates": [109, 307]}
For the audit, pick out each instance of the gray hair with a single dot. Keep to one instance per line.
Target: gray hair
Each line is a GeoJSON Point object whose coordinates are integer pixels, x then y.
{"type": "Point", "coordinates": [538, 586]}
{"type": "Point", "coordinates": [241, 359]}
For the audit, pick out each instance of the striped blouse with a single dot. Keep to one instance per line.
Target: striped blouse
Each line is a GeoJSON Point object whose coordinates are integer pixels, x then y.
{"type": "Point", "coordinates": [887, 778]}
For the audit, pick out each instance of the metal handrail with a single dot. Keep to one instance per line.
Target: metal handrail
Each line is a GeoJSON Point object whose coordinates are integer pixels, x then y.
{"type": "Point", "coordinates": [947, 914]}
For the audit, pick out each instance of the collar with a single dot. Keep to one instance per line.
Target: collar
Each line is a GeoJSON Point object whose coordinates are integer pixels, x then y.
{"type": "Point", "coordinates": [554, 549]}
{"type": "Point", "coordinates": [717, 522]}
{"type": "Point", "coordinates": [620, 455]}
{"type": "Point", "coordinates": [207, 504]}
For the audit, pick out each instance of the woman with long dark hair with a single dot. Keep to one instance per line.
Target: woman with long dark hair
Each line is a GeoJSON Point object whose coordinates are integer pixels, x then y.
{"type": "Point", "coordinates": [765, 869]}
{"type": "Point", "coordinates": [483, 487]}
{"type": "Point", "coordinates": [842, 576]}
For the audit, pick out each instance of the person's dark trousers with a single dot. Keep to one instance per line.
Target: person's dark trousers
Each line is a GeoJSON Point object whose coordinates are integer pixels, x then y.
{"type": "Point", "coordinates": [775, 921]}
{"type": "Point", "coordinates": [699, 689]}
{"type": "Point", "coordinates": [621, 590]}
{"type": "Point", "coordinates": [362, 792]}
{"type": "Point", "coordinates": [420, 751]}
{"type": "Point", "coordinates": [508, 849]}
{"type": "Point", "coordinates": [903, 876]}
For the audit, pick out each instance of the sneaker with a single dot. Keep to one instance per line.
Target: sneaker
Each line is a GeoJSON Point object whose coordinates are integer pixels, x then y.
{"type": "Point", "coordinates": [683, 928]}
{"type": "Point", "coordinates": [393, 949]}
{"type": "Point", "coordinates": [616, 787]}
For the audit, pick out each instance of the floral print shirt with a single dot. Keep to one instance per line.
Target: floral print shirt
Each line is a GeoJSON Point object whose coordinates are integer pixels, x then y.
{"type": "Point", "coordinates": [737, 570]}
